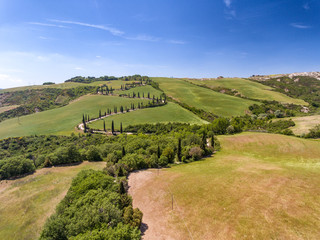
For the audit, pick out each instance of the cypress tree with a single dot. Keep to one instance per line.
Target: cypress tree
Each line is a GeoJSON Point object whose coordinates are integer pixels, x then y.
{"type": "Point", "coordinates": [179, 150]}
{"type": "Point", "coordinates": [138, 95]}
{"type": "Point", "coordinates": [148, 95]}
{"type": "Point", "coordinates": [121, 127]}
{"type": "Point", "coordinates": [104, 126]}
{"type": "Point", "coordinates": [203, 141]}
{"type": "Point", "coordinates": [143, 94]}
{"type": "Point", "coordinates": [99, 113]}
{"type": "Point", "coordinates": [112, 127]}
{"type": "Point", "coordinates": [212, 142]}
{"type": "Point", "coordinates": [122, 190]}
{"type": "Point", "coordinates": [123, 151]}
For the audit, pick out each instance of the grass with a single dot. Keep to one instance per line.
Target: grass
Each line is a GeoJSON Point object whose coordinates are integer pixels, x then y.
{"type": "Point", "coordinates": [304, 124]}
{"type": "Point", "coordinates": [260, 186]}
{"type": "Point", "coordinates": [143, 91]}
{"type": "Point", "coordinates": [116, 84]}
{"type": "Point", "coordinates": [27, 202]}
{"type": "Point", "coordinates": [169, 113]}
{"type": "Point", "coordinates": [206, 99]}
{"type": "Point", "coordinates": [7, 108]}
{"type": "Point", "coordinates": [250, 89]}
{"type": "Point", "coordinates": [62, 120]}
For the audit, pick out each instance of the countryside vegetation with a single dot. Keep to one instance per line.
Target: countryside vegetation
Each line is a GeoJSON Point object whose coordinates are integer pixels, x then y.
{"type": "Point", "coordinates": [163, 158]}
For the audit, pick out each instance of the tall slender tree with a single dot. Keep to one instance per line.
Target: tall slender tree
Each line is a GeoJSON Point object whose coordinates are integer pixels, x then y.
{"type": "Point", "coordinates": [104, 126]}
{"type": "Point", "coordinates": [121, 127]}
{"type": "Point", "coordinates": [112, 127]}
{"type": "Point", "coordinates": [212, 141]}
{"type": "Point", "coordinates": [179, 150]}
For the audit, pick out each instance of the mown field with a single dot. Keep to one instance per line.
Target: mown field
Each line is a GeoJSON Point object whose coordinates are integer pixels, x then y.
{"type": "Point", "coordinates": [250, 89]}
{"type": "Point", "coordinates": [27, 202]}
{"type": "Point", "coordinates": [168, 113]}
{"type": "Point", "coordinates": [62, 120]}
{"type": "Point", "coordinates": [202, 98]}
{"type": "Point", "coordinates": [259, 186]}
{"type": "Point", "coordinates": [116, 84]}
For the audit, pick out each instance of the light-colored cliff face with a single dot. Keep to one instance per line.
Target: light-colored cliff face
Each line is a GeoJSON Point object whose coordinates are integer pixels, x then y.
{"type": "Point", "coordinates": [309, 74]}
{"type": "Point", "coordinates": [290, 75]}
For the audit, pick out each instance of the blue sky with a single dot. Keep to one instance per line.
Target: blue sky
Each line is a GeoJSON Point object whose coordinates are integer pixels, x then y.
{"type": "Point", "coordinates": [56, 40]}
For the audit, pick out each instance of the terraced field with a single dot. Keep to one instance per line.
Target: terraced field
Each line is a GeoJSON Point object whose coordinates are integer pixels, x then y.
{"type": "Point", "coordinates": [168, 113]}
{"type": "Point", "coordinates": [250, 89]}
{"type": "Point", "coordinates": [202, 98]}
{"type": "Point", "coordinates": [62, 120]}
{"type": "Point", "coordinates": [259, 186]}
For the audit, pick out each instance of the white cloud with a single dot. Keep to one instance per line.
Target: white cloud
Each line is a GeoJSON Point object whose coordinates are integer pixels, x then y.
{"type": "Point", "coordinates": [112, 30]}
{"type": "Point", "coordinates": [176, 42]}
{"type": "Point", "coordinates": [300, 26]}
{"type": "Point", "coordinates": [47, 24]}
{"type": "Point", "coordinates": [144, 37]}
{"type": "Point", "coordinates": [227, 3]}
{"type": "Point", "coordinates": [8, 80]}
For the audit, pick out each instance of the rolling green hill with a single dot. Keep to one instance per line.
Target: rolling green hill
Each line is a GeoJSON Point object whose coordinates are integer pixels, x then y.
{"type": "Point", "coordinates": [62, 120]}
{"type": "Point", "coordinates": [249, 89]}
{"type": "Point", "coordinates": [116, 84]}
{"type": "Point", "coordinates": [171, 112]}
{"type": "Point", "coordinates": [202, 98]}
{"type": "Point", "coordinates": [143, 91]}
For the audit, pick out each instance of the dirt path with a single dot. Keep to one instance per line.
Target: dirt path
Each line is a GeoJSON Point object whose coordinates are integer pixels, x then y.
{"type": "Point", "coordinates": [155, 205]}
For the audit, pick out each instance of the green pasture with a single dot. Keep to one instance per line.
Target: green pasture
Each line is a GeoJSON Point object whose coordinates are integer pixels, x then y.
{"type": "Point", "coordinates": [63, 120]}
{"type": "Point", "coordinates": [168, 113]}
{"type": "Point", "coordinates": [203, 98]}
{"type": "Point", "coordinates": [250, 89]}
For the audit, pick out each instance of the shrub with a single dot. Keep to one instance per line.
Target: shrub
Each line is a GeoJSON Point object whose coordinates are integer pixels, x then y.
{"type": "Point", "coordinates": [93, 154]}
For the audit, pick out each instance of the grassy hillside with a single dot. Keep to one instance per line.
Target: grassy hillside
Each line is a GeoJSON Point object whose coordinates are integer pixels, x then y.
{"type": "Point", "coordinates": [116, 84]}
{"type": "Point", "coordinates": [304, 124]}
{"type": "Point", "coordinates": [62, 120]}
{"type": "Point", "coordinates": [260, 186]}
{"type": "Point", "coordinates": [169, 113]}
{"type": "Point", "coordinates": [141, 90]}
{"type": "Point", "coordinates": [206, 99]}
{"type": "Point", "coordinates": [27, 202]}
{"type": "Point", "coordinates": [250, 89]}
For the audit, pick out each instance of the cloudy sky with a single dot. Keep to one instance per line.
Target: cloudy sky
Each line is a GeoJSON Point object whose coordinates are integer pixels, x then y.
{"type": "Point", "coordinates": [56, 40]}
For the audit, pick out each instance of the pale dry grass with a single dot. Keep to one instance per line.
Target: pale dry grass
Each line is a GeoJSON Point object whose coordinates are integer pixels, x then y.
{"type": "Point", "coordinates": [260, 186]}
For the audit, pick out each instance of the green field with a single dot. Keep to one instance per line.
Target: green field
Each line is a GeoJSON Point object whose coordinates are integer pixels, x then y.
{"type": "Point", "coordinates": [259, 186]}
{"type": "Point", "coordinates": [62, 120]}
{"type": "Point", "coordinates": [202, 98]}
{"type": "Point", "coordinates": [250, 89]}
{"type": "Point", "coordinates": [27, 202]}
{"type": "Point", "coordinates": [141, 90]}
{"type": "Point", "coordinates": [168, 113]}
{"type": "Point", "coordinates": [116, 84]}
